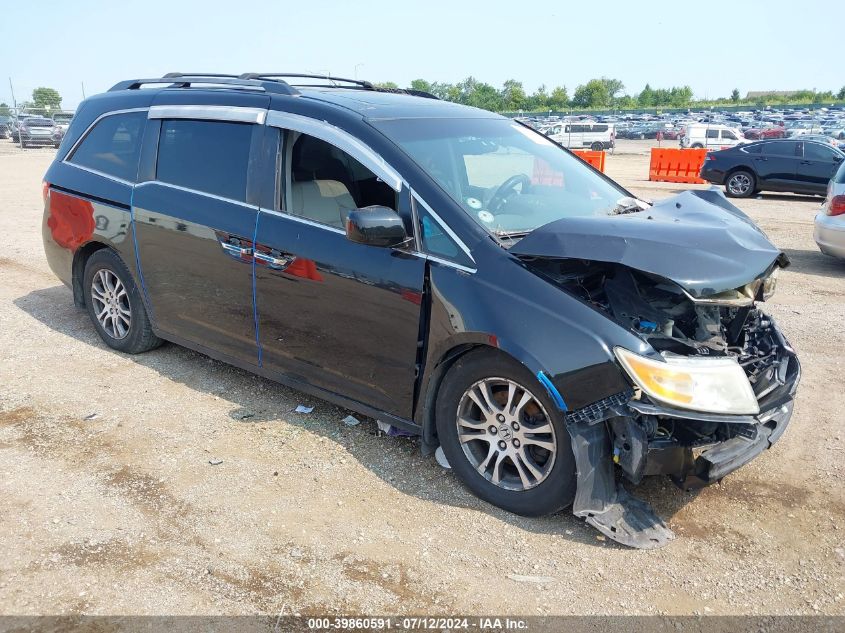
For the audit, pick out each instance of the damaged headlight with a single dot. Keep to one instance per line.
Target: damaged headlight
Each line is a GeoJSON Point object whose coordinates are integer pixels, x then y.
{"type": "Point", "coordinates": [770, 283]}
{"type": "Point", "coordinates": [713, 385]}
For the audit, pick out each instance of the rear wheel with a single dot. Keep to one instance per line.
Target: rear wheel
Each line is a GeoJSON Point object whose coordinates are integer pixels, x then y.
{"type": "Point", "coordinates": [597, 147]}
{"type": "Point", "coordinates": [115, 305]}
{"type": "Point", "coordinates": [740, 184]}
{"type": "Point", "coordinates": [697, 146]}
{"type": "Point", "coordinates": [504, 437]}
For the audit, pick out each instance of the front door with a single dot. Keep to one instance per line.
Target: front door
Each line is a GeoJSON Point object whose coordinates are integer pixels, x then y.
{"type": "Point", "coordinates": [194, 230]}
{"type": "Point", "coordinates": [336, 314]}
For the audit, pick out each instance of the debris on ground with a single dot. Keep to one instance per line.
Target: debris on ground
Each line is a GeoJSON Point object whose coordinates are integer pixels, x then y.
{"type": "Point", "coordinates": [303, 409]}
{"type": "Point", "coordinates": [215, 462]}
{"type": "Point", "coordinates": [351, 420]}
{"type": "Point", "coordinates": [91, 416]}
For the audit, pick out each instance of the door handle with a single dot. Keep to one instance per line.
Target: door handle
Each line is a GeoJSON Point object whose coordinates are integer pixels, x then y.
{"type": "Point", "coordinates": [234, 249]}
{"type": "Point", "coordinates": [273, 262]}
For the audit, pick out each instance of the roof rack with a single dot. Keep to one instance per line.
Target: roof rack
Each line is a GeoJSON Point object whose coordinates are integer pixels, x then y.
{"type": "Point", "coordinates": [185, 80]}
{"type": "Point", "coordinates": [336, 82]}
{"type": "Point", "coordinates": [267, 82]}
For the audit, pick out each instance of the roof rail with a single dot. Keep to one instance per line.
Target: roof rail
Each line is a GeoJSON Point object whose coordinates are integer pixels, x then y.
{"type": "Point", "coordinates": [332, 80]}
{"type": "Point", "coordinates": [185, 80]}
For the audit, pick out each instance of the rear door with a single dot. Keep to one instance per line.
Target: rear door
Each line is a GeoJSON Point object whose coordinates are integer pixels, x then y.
{"type": "Point", "coordinates": [712, 138]}
{"type": "Point", "coordinates": [817, 166]}
{"type": "Point", "coordinates": [332, 313]}
{"type": "Point", "coordinates": [194, 213]}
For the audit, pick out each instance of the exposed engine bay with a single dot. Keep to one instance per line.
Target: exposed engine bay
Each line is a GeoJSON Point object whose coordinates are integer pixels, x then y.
{"type": "Point", "coordinates": [645, 437]}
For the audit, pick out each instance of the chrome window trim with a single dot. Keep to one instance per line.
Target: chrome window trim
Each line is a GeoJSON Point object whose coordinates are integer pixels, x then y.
{"type": "Point", "coordinates": [82, 136]}
{"type": "Point", "coordinates": [446, 262]}
{"type": "Point", "coordinates": [443, 225]}
{"type": "Point", "coordinates": [302, 220]}
{"type": "Point", "coordinates": [236, 114]}
{"type": "Point", "coordinates": [198, 192]}
{"type": "Point", "coordinates": [101, 174]}
{"type": "Point", "coordinates": [342, 140]}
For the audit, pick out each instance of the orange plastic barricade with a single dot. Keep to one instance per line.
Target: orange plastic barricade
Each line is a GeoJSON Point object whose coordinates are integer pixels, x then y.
{"type": "Point", "coordinates": [596, 159]}
{"type": "Point", "coordinates": [676, 165]}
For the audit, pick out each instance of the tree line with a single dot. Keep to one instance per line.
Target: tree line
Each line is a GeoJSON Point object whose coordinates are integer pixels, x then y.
{"type": "Point", "coordinates": [597, 94]}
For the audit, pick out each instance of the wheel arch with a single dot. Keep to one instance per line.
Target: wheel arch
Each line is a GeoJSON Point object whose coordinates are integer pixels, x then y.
{"type": "Point", "coordinates": [80, 258]}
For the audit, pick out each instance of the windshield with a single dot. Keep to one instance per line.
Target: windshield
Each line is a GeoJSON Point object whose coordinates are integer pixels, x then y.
{"type": "Point", "coordinates": [507, 177]}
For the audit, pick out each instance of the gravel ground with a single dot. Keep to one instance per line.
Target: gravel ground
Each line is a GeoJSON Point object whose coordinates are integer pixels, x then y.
{"type": "Point", "coordinates": [109, 503]}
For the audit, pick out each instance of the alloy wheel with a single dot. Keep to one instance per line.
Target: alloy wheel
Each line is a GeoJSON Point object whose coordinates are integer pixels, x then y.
{"type": "Point", "coordinates": [111, 303]}
{"type": "Point", "coordinates": [506, 434]}
{"type": "Point", "coordinates": [739, 184]}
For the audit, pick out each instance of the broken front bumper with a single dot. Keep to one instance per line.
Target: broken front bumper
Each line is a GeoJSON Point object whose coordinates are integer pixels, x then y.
{"type": "Point", "coordinates": [644, 438]}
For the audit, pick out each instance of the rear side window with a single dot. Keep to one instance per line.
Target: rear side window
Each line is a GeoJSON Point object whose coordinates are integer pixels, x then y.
{"type": "Point", "coordinates": [113, 146]}
{"type": "Point", "coordinates": [207, 156]}
{"type": "Point", "coordinates": [781, 148]}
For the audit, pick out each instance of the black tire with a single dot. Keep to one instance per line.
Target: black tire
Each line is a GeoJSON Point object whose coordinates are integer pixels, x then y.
{"type": "Point", "coordinates": [697, 146]}
{"type": "Point", "coordinates": [553, 493]}
{"type": "Point", "coordinates": [139, 335]}
{"type": "Point", "coordinates": [597, 147]}
{"type": "Point", "coordinates": [740, 184]}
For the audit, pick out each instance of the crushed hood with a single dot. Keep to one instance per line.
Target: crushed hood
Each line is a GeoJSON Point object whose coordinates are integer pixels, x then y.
{"type": "Point", "coordinates": [697, 239]}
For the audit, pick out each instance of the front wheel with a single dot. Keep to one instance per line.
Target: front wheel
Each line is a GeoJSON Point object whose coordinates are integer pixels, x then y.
{"type": "Point", "coordinates": [597, 147]}
{"type": "Point", "coordinates": [740, 184]}
{"type": "Point", "coordinates": [504, 437]}
{"type": "Point", "coordinates": [115, 305]}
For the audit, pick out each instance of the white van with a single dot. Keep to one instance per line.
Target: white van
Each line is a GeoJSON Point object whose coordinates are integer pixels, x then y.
{"type": "Point", "coordinates": [581, 134]}
{"type": "Point", "coordinates": [712, 135]}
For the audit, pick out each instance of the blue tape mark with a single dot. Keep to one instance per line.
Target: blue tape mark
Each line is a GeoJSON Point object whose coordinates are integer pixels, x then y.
{"type": "Point", "coordinates": [254, 300]}
{"type": "Point", "coordinates": [137, 254]}
{"type": "Point", "coordinates": [553, 392]}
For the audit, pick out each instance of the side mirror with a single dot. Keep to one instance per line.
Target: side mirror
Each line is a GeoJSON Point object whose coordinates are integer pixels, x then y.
{"type": "Point", "coordinates": [376, 226]}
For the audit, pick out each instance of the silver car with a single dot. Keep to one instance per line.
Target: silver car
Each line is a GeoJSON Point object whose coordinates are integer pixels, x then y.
{"type": "Point", "coordinates": [830, 221]}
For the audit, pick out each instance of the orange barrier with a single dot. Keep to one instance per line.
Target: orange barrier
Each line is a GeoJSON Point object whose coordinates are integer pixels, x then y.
{"type": "Point", "coordinates": [676, 165]}
{"type": "Point", "coordinates": [596, 159]}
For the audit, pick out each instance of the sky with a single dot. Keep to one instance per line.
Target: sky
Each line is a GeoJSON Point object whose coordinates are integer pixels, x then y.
{"type": "Point", "coordinates": [713, 47]}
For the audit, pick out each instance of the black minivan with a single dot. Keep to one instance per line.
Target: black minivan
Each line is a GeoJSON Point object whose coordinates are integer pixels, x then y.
{"type": "Point", "coordinates": [438, 267]}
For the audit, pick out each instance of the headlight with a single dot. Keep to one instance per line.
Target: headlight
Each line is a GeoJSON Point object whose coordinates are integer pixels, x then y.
{"type": "Point", "coordinates": [714, 385]}
{"type": "Point", "coordinates": [770, 283]}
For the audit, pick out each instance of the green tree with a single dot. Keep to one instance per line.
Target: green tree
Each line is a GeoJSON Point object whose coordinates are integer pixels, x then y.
{"type": "Point", "coordinates": [389, 85]}
{"type": "Point", "coordinates": [735, 95]}
{"type": "Point", "coordinates": [646, 97]}
{"type": "Point", "coordinates": [593, 94]}
{"type": "Point", "coordinates": [613, 87]}
{"type": "Point", "coordinates": [513, 95]}
{"type": "Point", "coordinates": [559, 99]}
{"type": "Point", "coordinates": [47, 98]}
{"type": "Point", "coordinates": [422, 84]}
{"type": "Point", "coordinates": [539, 100]}
{"type": "Point", "coordinates": [841, 94]}
{"type": "Point", "coordinates": [4, 109]}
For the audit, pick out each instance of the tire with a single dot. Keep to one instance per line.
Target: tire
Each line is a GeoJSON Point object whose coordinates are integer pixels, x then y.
{"type": "Point", "coordinates": [552, 488]}
{"type": "Point", "coordinates": [697, 146]}
{"type": "Point", "coordinates": [740, 184]}
{"type": "Point", "coordinates": [597, 147]}
{"type": "Point", "coordinates": [126, 327]}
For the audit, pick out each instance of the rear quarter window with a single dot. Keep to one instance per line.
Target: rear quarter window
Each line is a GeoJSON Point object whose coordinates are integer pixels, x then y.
{"type": "Point", "coordinates": [112, 146]}
{"type": "Point", "coordinates": [839, 178]}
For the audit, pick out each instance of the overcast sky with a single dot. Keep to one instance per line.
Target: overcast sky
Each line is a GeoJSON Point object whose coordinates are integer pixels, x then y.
{"type": "Point", "coordinates": [713, 47]}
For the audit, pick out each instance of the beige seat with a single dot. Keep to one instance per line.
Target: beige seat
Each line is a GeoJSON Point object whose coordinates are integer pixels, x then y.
{"type": "Point", "coordinates": [324, 201]}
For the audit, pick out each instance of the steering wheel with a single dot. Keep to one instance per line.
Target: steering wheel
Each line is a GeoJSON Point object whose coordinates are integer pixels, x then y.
{"type": "Point", "coordinates": [507, 189]}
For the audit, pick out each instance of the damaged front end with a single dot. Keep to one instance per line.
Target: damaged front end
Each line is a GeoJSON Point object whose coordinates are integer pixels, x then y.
{"type": "Point", "coordinates": [714, 389]}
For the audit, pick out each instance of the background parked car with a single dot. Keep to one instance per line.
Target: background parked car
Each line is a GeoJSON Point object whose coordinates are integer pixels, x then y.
{"type": "Point", "coordinates": [829, 230]}
{"type": "Point", "coordinates": [779, 165]}
{"type": "Point", "coordinates": [37, 131]}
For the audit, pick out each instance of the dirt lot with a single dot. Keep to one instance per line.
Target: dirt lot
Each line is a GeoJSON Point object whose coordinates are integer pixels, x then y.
{"type": "Point", "coordinates": [109, 505]}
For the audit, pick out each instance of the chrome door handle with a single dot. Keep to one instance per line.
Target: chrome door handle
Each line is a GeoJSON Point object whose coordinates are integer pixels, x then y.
{"type": "Point", "coordinates": [273, 262]}
{"type": "Point", "coordinates": [234, 249]}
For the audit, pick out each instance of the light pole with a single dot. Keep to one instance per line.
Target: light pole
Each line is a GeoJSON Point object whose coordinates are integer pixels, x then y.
{"type": "Point", "coordinates": [356, 68]}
